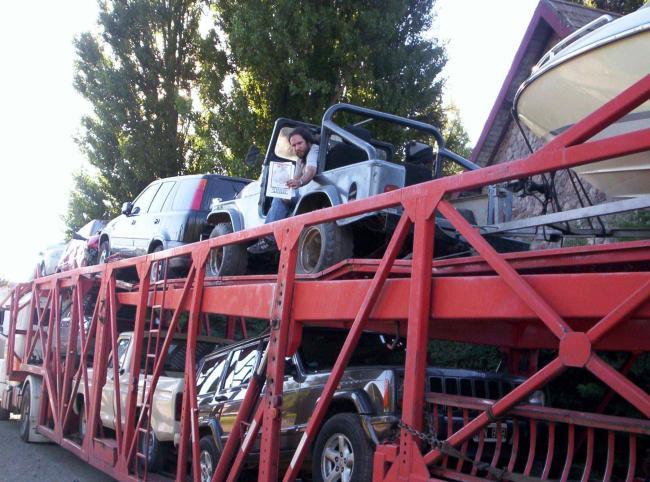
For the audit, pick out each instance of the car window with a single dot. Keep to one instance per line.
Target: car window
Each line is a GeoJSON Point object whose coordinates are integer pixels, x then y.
{"type": "Point", "coordinates": [242, 365]}
{"type": "Point", "coordinates": [210, 374]}
{"type": "Point", "coordinates": [372, 349]}
{"type": "Point", "coordinates": [221, 188]}
{"type": "Point", "coordinates": [142, 202]}
{"type": "Point", "coordinates": [122, 347]}
{"type": "Point", "coordinates": [184, 197]}
{"type": "Point", "coordinates": [161, 197]}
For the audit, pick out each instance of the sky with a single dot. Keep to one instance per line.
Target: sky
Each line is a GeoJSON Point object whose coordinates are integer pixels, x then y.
{"type": "Point", "coordinates": [41, 111]}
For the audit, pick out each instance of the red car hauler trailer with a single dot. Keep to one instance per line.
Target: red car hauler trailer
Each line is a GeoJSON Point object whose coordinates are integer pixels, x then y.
{"type": "Point", "coordinates": [576, 303]}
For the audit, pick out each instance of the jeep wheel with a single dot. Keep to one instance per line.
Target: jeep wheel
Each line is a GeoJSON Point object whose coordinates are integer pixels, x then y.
{"type": "Point", "coordinates": [342, 451]}
{"type": "Point", "coordinates": [229, 260]}
{"type": "Point", "coordinates": [322, 246]}
{"type": "Point", "coordinates": [208, 458]}
{"type": "Point", "coordinates": [25, 411]}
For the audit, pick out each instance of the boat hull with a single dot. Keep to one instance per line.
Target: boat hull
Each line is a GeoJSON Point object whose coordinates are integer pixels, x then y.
{"type": "Point", "coordinates": [577, 83]}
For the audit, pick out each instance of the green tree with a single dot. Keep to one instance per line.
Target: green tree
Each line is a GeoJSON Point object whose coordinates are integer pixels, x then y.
{"type": "Point", "coordinates": [138, 73]}
{"type": "Point", "coordinates": [618, 6]}
{"type": "Point", "coordinates": [296, 58]}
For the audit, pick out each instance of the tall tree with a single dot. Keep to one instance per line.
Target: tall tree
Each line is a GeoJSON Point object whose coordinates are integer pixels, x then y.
{"type": "Point", "coordinates": [618, 6]}
{"type": "Point", "coordinates": [138, 74]}
{"type": "Point", "coordinates": [295, 58]}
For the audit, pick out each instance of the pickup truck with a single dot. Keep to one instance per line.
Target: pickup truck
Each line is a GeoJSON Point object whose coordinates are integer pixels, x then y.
{"type": "Point", "coordinates": [166, 406]}
{"type": "Point", "coordinates": [364, 410]}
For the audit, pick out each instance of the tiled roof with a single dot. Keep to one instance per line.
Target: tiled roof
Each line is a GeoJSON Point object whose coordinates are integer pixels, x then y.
{"type": "Point", "coordinates": [551, 17]}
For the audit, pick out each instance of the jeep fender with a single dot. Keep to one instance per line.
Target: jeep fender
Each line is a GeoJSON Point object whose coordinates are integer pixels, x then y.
{"type": "Point", "coordinates": [227, 215]}
{"type": "Point", "coordinates": [324, 196]}
{"type": "Point", "coordinates": [217, 433]}
{"type": "Point", "coordinates": [364, 409]}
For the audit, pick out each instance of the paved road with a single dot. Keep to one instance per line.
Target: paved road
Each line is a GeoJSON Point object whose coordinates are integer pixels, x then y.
{"type": "Point", "coordinates": [21, 462]}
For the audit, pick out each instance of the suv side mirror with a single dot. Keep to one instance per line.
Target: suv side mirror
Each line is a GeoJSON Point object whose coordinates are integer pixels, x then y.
{"type": "Point", "coordinates": [251, 156]}
{"type": "Point", "coordinates": [78, 237]}
{"type": "Point", "coordinates": [126, 208]}
{"type": "Point", "coordinates": [290, 369]}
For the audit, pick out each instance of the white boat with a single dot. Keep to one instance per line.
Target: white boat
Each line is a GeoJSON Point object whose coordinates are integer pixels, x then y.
{"type": "Point", "coordinates": [581, 74]}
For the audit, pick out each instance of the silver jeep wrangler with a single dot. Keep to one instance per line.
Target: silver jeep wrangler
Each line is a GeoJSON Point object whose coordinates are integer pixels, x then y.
{"type": "Point", "coordinates": [352, 165]}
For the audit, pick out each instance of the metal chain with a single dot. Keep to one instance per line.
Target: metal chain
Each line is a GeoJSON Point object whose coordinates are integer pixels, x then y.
{"type": "Point", "coordinates": [435, 443]}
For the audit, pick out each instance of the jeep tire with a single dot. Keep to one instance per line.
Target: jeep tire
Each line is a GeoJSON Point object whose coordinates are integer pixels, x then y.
{"type": "Point", "coordinates": [208, 458]}
{"type": "Point", "coordinates": [322, 246]}
{"type": "Point", "coordinates": [231, 260]}
{"type": "Point", "coordinates": [342, 451]}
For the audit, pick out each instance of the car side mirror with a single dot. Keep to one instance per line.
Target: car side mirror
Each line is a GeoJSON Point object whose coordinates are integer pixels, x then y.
{"type": "Point", "coordinates": [78, 237]}
{"type": "Point", "coordinates": [126, 208]}
{"type": "Point", "coordinates": [251, 156]}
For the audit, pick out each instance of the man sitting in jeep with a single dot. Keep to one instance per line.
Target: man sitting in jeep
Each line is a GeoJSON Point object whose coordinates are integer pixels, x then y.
{"type": "Point", "coordinates": [303, 145]}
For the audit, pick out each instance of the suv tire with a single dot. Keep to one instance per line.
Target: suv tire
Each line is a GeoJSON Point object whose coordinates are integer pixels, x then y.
{"type": "Point", "coordinates": [208, 458]}
{"type": "Point", "coordinates": [104, 252]}
{"type": "Point", "coordinates": [322, 246]}
{"type": "Point", "coordinates": [342, 436]}
{"type": "Point", "coordinates": [231, 260]}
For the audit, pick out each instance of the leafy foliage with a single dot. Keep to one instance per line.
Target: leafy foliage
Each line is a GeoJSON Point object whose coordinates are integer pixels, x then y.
{"type": "Point", "coordinates": [294, 59]}
{"type": "Point", "coordinates": [168, 99]}
{"type": "Point", "coordinates": [618, 6]}
{"type": "Point", "coordinates": [138, 74]}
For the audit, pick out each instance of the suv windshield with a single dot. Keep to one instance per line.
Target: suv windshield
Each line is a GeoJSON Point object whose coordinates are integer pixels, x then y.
{"type": "Point", "coordinates": [373, 349]}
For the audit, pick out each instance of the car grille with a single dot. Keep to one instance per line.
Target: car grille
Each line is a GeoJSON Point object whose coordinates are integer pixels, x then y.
{"type": "Point", "coordinates": [470, 387]}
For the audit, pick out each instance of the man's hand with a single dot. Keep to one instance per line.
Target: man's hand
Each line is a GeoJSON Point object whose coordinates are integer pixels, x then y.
{"type": "Point", "coordinates": [293, 183]}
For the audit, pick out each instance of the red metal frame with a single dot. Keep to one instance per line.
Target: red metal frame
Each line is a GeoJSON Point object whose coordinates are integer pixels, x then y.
{"type": "Point", "coordinates": [542, 299]}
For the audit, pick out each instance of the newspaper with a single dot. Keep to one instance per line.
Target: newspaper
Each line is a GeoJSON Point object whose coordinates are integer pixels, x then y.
{"type": "Point", "coordinates": [279, 174]}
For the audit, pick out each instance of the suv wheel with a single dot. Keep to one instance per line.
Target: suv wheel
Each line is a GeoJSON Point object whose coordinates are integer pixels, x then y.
{"type": "Point", "coordinates": [342, 451]}
{"type": "Point", "coordinates": [322, 246]}
{"type": "Point", "coordinates": [231, 260]}
{"type": "Point", "coordinates": [104, 252]}
{"type": "Point", "coordinates": [208, 458]}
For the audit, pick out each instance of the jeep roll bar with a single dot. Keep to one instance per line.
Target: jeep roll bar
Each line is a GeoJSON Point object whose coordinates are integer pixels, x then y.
{"type": "Point", "coordinates": [330, 126]}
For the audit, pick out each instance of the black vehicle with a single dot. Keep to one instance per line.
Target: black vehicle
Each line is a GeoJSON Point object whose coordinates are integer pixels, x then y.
{"type": "Point", "coordinates": [364, 411]}
{"type": "Point", "coordinates": [169, 213]}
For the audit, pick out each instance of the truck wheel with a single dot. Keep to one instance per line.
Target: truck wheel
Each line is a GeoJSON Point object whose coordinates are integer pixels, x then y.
{"type": "Point", "coordinates": [229, 260]}
{"type": "Point", "coordinates": [342, 451]}
{"type": "Point", "coordinates": [154, 453]}
{"type": "Point", "coordinates": [322, 246]}
{"type": "Point", "coordinates": [208, 458]}
{"type": "Point", "coordinates": [25, 411]}
{"type": "Point", "coordinates": [4, 414]}
{"type": "Point", "coordinates": [83, 422]}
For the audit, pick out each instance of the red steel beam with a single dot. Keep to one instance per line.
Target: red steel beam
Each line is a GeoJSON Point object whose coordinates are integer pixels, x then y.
{"type": "Point", "coordinates": [287, 240]}
{"type": "Point", "coordinates": [368, 304]}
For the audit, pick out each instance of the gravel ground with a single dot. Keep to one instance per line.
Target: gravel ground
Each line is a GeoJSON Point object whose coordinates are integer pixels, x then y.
{"type": "Point", "coordinates": [21, 462]}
